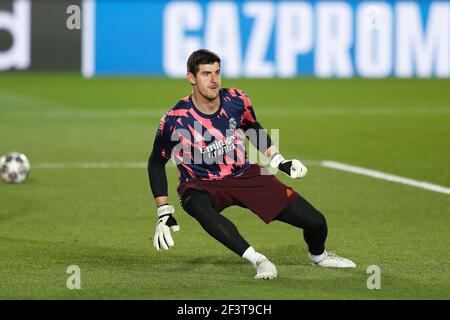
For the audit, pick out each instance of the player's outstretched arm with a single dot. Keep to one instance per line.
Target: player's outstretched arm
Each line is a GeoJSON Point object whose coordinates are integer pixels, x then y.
{"type": "Point", "coordinates": [158, 184]}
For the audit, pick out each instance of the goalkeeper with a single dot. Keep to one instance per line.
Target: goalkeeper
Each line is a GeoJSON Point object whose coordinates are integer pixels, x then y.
{"type": "Point", "coordinates": [203, 135]}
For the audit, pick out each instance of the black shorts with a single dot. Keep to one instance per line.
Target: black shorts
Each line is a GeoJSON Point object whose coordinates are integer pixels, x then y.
{"type": "Point", "coordinates": [263, 194]}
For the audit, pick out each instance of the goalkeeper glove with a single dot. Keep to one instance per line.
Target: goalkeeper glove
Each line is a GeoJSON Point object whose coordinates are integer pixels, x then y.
{"type": "Point", "coordinates": [166, 221]}
{"type": "Point", "coordinates": [293, 168]}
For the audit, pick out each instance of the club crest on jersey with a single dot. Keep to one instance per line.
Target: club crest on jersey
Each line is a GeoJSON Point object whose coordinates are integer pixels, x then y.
{"type": "Point", "coordinates": [232, 124]}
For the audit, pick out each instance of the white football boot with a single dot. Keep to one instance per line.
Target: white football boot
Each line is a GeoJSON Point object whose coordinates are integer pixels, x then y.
{"type": "Point", "coordinates": [331, 260]}
{"type": "Point", "coordinates": [265, 269]}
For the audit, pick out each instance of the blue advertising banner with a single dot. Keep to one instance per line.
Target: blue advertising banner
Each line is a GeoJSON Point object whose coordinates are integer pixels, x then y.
{"type": "Point", "coordinates": [373, 39]}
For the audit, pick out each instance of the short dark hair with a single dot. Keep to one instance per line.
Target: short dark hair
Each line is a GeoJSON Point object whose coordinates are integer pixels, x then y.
{"type": "Point", "coordinates": [201, 56]}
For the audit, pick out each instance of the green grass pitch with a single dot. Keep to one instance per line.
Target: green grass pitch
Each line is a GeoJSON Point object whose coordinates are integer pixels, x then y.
{"type": "Point", "coordinates": [103, 219]}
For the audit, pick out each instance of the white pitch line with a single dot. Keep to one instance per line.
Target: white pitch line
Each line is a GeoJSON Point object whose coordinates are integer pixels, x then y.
{"type": "Point", "coordinates": [326, 163]}
{"type": "Point", "coordinates": [114, 165]}
{"type": "Point", "coordinates": [385, 176]}
{"type": "Point", "coordinates": [90, 165]}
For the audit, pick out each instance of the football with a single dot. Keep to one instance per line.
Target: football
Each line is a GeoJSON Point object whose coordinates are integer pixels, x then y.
{"type": "Point", "coordinates": [14, 167]}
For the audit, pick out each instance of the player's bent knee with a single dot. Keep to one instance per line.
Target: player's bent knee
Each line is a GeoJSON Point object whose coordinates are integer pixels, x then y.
{"type": "Point", "coordinates": [313, 218]}
{"type": "Point", "coordinates": [318, 221]}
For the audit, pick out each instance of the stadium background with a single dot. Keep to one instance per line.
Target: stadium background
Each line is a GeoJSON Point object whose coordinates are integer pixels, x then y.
{"type": "Point", "coordinates": [354, 82]}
